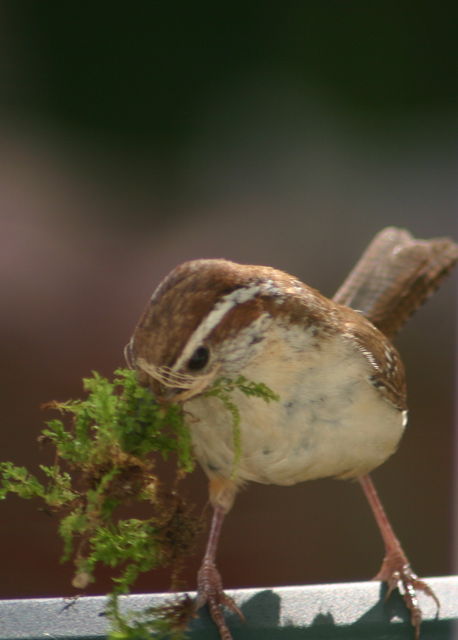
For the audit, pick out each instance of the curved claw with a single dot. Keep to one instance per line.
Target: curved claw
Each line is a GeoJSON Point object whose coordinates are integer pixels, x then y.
{"type": "Point", "coordinates": [398, 574]}
{"type": "Point", "coordinates": [210, 592]}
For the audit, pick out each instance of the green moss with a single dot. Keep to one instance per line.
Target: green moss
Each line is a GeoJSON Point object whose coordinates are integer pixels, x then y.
{"type": "Point", "coordinates": [223, 388]}
{"type": "Point", "coordinates": [106, 446]}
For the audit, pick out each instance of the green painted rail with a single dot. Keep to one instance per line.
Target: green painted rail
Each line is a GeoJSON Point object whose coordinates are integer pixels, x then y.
{"type": "Point", "coordinates": [349, 610]}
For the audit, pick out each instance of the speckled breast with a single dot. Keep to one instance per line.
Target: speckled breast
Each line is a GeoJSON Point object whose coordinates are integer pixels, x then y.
{"type": "Point", "coordinates": [330, 419]}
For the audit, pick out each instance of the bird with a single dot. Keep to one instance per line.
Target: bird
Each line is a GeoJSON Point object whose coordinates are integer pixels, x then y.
{"type": "Point", "coordinates": [341, 406]}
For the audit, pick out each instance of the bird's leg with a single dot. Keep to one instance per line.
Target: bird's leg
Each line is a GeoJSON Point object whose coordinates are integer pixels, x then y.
{"type": "Point", "coordinates": [209, 583]}
{"type": "Point", "coordinates": [396, 570]}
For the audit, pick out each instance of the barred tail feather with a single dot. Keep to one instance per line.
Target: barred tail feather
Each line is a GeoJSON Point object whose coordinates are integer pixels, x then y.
{"type": "Point", "coordinates": [395, 276]}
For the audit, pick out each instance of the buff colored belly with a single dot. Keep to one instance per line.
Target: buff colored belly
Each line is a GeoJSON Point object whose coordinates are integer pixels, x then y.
{"type": "Point", "coordinates": [329, 421]}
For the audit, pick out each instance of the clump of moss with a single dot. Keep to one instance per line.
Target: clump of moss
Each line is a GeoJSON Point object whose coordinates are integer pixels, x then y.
{"type": "Point", "coordinates": [104, 460]}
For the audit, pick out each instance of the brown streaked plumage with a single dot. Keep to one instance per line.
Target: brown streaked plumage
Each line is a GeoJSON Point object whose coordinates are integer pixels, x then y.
{"type": "Point", "coordinates": [340, 380]}
{"type": "Point", "coordinates": [193, 288]}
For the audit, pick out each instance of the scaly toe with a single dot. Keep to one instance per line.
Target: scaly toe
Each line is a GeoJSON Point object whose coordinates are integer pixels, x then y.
{"type": "Point", "coordinates": [210, 592]}
{"type": "Point", "coordinates": [398, 574]}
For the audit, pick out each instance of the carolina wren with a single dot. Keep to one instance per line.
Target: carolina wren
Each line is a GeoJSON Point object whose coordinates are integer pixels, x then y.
{"type": "Point", "coordinates": [341, 384]}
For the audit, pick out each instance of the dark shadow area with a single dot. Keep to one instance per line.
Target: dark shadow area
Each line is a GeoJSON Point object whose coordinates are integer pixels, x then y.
{"type": "Point", "coordinates": [262, 614]}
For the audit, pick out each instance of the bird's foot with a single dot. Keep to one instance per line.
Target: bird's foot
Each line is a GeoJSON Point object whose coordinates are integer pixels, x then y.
{"type": "Point", "coordinates": [210, 592]}
{"type": "Point", "coordinates": [397, 573]}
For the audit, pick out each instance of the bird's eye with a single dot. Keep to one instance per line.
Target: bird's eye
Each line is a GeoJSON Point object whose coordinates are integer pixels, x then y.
{"type": "Point", "coordinates": [199, 359]}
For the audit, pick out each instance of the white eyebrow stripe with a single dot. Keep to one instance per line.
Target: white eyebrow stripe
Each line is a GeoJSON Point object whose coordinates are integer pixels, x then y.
{"type": "Point", "coordinates": [220, 309]}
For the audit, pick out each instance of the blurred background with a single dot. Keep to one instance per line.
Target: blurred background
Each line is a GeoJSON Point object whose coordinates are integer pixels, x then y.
{"type": "Point", "coordinates": [287, 134]}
